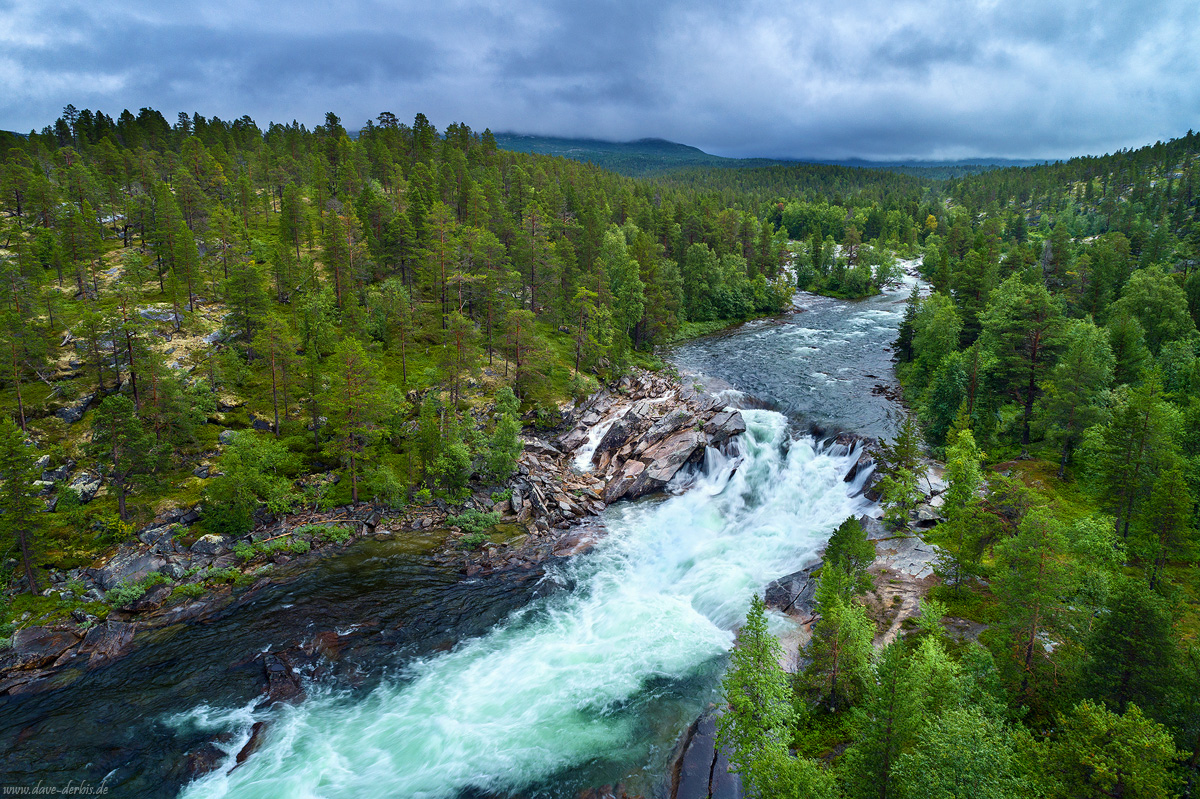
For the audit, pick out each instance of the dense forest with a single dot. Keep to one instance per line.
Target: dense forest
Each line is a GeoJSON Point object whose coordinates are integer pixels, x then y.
{"type": "Point", "coordinates": [376, 317]}
{"type": "Point", "coordinates": [1055, 368]}
{"type": "Point", "coordinates": [379, 309]}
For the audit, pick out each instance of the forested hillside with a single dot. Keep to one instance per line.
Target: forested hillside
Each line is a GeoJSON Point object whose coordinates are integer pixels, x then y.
{"type": "Point", "coordinates": [635, 158]}
{"type": "Point", "coordinates": [1055, 368]}
{"type": "Point", "coordinates": [357, 303]}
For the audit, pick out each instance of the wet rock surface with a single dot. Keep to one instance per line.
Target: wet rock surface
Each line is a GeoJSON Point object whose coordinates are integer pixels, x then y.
{"type": "Point", "coordinates": [700, 770]}
{"type": "Point", "coordinates": [795, 593]}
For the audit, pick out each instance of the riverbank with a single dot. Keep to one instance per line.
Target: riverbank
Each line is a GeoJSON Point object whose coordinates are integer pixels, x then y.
{"type": "Point", "coordinates": [638, 434]}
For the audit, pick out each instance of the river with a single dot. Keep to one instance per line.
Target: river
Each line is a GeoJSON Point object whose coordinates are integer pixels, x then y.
{"type": "Point", "coordinates": [493, 687]}
{"type": "Point", "coordinates": [824, 365]}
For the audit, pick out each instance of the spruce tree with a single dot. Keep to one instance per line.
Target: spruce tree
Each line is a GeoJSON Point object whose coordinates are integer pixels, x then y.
{"type": "Point", "coordinates": [759, 719]}
{"type": "Point", "coordinates": [900, 465]}
{"type": "Point", "coordinates": [840, 649]}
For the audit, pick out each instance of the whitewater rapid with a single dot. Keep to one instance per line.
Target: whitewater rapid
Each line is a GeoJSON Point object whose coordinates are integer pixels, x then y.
{"type": "Point", "coordinates": [602, 673]}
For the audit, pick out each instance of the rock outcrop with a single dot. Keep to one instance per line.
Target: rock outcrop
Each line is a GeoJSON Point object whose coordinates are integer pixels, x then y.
{"type": "Point", "coordinates": [654, 429]}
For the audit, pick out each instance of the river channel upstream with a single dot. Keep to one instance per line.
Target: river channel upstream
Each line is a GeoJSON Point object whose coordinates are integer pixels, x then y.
{"type": "Point", "coordinates": [500, 687]}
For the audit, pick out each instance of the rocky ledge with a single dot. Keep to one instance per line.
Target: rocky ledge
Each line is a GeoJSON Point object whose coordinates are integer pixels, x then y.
{"type": "Point", "coordinates": [623, 442]}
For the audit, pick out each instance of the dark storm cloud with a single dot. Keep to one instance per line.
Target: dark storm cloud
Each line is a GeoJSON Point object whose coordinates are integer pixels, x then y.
{"type": "Point", "coordinates": [870, 78]}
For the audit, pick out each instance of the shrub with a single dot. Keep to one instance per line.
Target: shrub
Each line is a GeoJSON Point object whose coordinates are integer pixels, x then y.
{"type": "Point", "coordinates": [332, 534]}
{"type": "Point", "coordinates": [473, 541]}
{"type": "Point", "coordinates": [191, 590]}
{"type": "Point", "coordinates": [124, 593]}
{"type": "Point", "coordinates": [244, 551]}
{"type": "Point", "coordinates": [255, 472]}
{"type": "Point", "coordinates": [473, 522]}
{"type": "Point", "coordinates": [226, 575]}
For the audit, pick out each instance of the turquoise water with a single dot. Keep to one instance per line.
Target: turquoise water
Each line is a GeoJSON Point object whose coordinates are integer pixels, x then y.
{"type": "Point", "coordinates": [586, 686]}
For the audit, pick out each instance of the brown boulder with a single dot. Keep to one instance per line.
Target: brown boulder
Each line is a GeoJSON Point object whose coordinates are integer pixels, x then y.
{"type": "Point", "coordinates": [107, 641]}
{"type": "Point", "coordinates": [618, 434]}
{"type": "Point", "coordinates": [35, 647]}
{"type": "Point", "coordinates": [669, 455]}
{"type": "Point", "coordinates": [622, 481]}
{"type": "Point", "coordinates": [574, 439]}
{"type": "Point", "coordinates": [675, 419]}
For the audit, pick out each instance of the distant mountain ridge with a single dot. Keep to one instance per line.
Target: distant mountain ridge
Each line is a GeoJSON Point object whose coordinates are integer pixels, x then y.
{"type": "Point", "coordinates": [644, 157]}
{"type": "Point", "coordinates": [641, 157]}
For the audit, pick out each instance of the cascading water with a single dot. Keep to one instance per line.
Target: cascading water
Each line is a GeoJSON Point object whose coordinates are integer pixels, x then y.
{"type": "Point", "coordinates": [583, 456]}
{"type": "Point", "coordinates": [585, 685]}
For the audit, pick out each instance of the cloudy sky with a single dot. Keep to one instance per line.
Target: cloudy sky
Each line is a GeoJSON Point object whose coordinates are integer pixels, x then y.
{"type": "Point", "coordinates": [866, 78]}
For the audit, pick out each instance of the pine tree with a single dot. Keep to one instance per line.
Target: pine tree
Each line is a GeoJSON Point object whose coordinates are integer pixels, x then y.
{"type": "Point", "coordinates": [20, 519]}
{"type": "Point", "coordinates": [276, 347]}
{"type": "Point", "coordinates": [246, 297]}
{"type": "Point", "coordinates": [459, 354]}
{"type": "Point", "coordinates": [525, 349]}
{"type": "Point", "coordinates": [1138, 443]}
{"type": "Point", "coordinates": [1165, 531]}
{"type": "Point", "coordinates": [1072, 389]}
{"type": "Point", "coordinates": [1033, 580]}
{"type": "Point", "coordinates": [1023, 329]}
{"type": "Point", "coordinates": [125, 451]}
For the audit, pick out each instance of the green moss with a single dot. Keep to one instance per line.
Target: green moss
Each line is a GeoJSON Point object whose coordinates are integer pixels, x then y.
{"type": "Point", "coordinates": [971, 602]}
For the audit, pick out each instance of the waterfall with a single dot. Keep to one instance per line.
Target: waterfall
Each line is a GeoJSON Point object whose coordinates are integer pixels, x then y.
{"type": "Point", "coordinates": [606, 673]}
{"type": "Point", "coordinates": [583, 457]}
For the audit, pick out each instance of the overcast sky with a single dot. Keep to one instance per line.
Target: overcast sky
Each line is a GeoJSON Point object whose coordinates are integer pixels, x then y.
{"type": "Point", "coordinates": [866, 78]}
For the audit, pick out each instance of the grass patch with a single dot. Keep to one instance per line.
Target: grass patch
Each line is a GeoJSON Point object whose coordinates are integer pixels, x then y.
{"type": "Point", "coordinates": [972, 602]}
